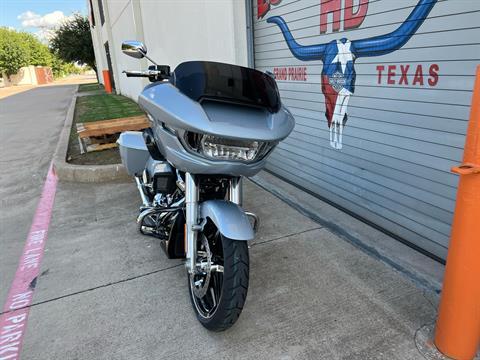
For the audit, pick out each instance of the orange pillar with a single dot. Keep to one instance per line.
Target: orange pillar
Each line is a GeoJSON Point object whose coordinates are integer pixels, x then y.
{"type": "Point", "coordinates": [106, 81]}
{"type": "Point", "coordinates": [457, 333]}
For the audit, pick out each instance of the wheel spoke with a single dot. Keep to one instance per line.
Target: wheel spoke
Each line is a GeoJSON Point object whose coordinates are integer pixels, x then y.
{"type": "Point", "coordinates": [218, 281]}
{"type": "Point", "coordinates": [207, 286]}
{"type": "Point", "coordinates": [212, 293]}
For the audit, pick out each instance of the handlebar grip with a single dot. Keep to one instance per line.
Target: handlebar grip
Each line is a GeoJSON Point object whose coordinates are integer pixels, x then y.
{"type": "Point", "coordinates": [152, 74]}
{"type": "Point", "coordinates": [135, 73]}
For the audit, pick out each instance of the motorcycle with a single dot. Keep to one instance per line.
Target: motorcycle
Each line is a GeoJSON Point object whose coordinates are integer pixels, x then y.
{"type": "Point", "coordinates": [210, 125]}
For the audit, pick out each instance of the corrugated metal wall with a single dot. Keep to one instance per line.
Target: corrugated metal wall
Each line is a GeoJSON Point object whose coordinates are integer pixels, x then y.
{"type": "Point", "coordinates": [404, 132]}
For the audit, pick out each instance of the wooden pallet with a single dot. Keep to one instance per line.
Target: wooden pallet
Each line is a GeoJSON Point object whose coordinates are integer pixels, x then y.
{"type": "Point", "coordinates": [101, 135]}
{"type": "Point", "coordinates": [100, 147]}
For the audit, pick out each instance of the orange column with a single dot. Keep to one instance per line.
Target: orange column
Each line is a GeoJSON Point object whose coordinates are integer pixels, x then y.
{"type": "Point", "coordinates": [106, 81]}
{"type": "Point", "coordinates": [457, 333]}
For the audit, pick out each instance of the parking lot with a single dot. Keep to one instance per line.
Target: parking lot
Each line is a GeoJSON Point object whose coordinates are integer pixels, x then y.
{"type": "Point", "coordinates": [107, 292]}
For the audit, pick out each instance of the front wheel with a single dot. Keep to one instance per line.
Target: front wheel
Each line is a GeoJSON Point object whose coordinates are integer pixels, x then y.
{"type": "Point", "coordinates": [218, 291]}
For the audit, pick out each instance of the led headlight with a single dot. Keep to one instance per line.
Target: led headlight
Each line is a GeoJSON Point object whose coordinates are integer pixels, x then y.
{"type": "Point", "coordinates": [218, 148]}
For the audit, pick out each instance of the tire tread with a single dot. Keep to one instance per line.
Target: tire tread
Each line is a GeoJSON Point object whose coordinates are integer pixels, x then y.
{"type": "Point", "coordinates": [235, 286]}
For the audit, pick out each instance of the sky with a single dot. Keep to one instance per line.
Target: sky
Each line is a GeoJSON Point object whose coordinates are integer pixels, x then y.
{"type": "Point", "coordinates": [38, 16]}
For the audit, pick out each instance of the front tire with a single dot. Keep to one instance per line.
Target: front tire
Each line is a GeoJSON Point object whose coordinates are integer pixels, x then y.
{"type": "Point", "coordinates": [223, 300]}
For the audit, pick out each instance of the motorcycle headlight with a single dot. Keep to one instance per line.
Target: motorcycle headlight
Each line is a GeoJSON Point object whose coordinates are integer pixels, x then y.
{"type": "Point", "coordinates": [218, 148]}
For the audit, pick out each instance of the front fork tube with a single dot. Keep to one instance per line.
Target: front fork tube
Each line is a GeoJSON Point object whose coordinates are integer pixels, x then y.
{"type": "Point", "coordinates": [191, 209]}
{"type": "Point", "coordinates": [235, 193]}
{"type": "Point", "coordinates": [191, 232]}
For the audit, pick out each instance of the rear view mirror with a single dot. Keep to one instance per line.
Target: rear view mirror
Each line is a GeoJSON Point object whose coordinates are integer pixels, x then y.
{"type": "Point", "coordinates": [134, 48]}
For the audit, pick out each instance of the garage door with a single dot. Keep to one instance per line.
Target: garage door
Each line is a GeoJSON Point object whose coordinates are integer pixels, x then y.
{"type": "Point", "coordinates": [380, 91]}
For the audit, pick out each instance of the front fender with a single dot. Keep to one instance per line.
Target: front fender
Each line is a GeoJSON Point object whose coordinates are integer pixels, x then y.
{"type": "Point", "coordinates": [229, 218]}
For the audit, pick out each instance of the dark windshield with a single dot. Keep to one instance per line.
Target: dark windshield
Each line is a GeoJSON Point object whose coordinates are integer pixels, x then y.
{"type": "Point", "coordinates": [203, 80]}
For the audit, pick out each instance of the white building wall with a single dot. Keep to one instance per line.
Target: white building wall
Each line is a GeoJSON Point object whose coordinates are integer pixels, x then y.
{"type": "Point", "coordinates": [122, 27]}
{"type": "Point", "coordinates": [240, 32]}
{"type": "Point", "coordinates": [174, 31]}
{"type": "Point", "coordinates": [98, 54]}
{"type": "Point", "coordinates": [177, 31]}
{"type": "Point", "coordinates": [97, 40]}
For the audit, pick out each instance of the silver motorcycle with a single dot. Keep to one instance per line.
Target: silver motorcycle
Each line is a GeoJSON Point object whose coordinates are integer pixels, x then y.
{"type": "Point", "coordinates": [210, 124]}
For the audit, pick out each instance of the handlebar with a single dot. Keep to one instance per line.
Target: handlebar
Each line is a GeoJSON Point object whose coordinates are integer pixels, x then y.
{"type": "Point", "coordinates": [142, 73]}
{"type": "Point", "coordinates": [154, 72]}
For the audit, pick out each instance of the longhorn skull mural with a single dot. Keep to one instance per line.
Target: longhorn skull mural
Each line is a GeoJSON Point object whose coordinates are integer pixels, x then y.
{"type": "Point", "coordinates": [338, 57]}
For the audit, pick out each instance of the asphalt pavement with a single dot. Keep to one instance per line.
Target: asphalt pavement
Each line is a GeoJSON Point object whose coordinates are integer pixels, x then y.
{"type": "Point", "coordinates": [30, 123]}
{"type": "Point", "coordinates": [107, 292]}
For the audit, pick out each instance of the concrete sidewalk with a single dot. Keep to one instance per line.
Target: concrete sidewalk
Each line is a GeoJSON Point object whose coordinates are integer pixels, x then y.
{"type": "Point", "coordinates": [107, 292]}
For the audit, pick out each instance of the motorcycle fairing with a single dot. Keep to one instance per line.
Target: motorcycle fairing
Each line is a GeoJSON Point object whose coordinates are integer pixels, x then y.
{"type": "Point", "coordinates": [166, 104]}
{"type": "Point", "coordinates": [174, 113]}
{"type": "Point", "coordinates": [183, 160]}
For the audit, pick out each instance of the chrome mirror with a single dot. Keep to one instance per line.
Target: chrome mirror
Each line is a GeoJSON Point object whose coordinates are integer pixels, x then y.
{"type": "Point", "coordinates": [134, 48]}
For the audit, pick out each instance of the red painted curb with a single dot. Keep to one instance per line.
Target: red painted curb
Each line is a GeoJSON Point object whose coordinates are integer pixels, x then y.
{"type": "Point", "coordinates": [17, 306]}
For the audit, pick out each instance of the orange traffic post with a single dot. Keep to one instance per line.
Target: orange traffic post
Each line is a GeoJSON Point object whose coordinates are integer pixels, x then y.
{"type": "Point", "coordinates": [106, 81]}
{"type": "Point", "coordinates": [457, 333]}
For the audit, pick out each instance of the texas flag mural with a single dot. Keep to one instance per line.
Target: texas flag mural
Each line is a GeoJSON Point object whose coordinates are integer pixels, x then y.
{"type": "Point", "coordinates": [339, 56]}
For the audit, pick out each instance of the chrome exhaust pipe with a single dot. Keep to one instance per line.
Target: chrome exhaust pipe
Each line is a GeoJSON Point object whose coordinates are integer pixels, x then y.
{"type": "Point", "coordinates": [162, 211]}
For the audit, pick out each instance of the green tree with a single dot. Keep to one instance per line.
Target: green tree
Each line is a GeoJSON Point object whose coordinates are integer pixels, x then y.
{"type": "Point", "coordinates": [72, 42]}
{"type": "Point", "coordinates": [40, 55]}
{"type": "Point", "coordinates": [61, 68]}
{"type": "Point", "coordinates": [18, 49]}
{"type": "Point", "coordinates": [14, 53]}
